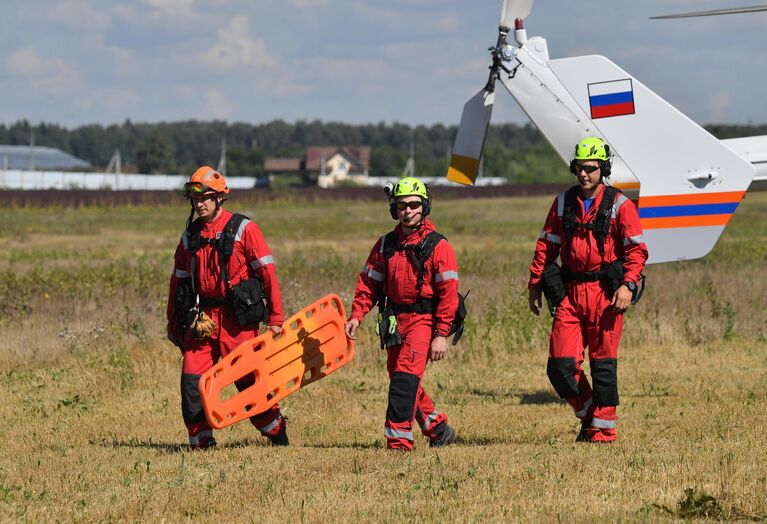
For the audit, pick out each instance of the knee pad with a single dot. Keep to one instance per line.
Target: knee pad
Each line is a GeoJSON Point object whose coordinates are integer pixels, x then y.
{"type": "Point", "coordinates": [402, 392]}
{"type": "Point", "coordinates": [561, 372]}
{"type": "Point", "coordinates": [604, 375]}
{"type": "Point", "coordinates": [191, 405]}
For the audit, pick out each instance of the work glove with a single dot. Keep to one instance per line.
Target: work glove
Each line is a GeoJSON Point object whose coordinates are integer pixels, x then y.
{"type": "Point", "coordinates": [202, 326]}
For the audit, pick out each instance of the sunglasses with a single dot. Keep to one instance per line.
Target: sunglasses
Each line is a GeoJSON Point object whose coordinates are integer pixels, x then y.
{"type": "Point", "coordinates": [587, 169]}
{"type": "Point", "coordinates": [412, 205]}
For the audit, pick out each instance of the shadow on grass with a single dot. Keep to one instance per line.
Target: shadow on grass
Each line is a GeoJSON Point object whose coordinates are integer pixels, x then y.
{"type": "Point", "coordinates": [164, 447]}
{"type": "Point", "coordinates": [526, 397]}
{"type": "Point", "coordinates": [173, 447]}
{"type": "Point", "coordinates": [539, 397]}
{"type": "Point", "coordinates": [480, 440]}
{"type": "Point", "coordinates": [343, 445]}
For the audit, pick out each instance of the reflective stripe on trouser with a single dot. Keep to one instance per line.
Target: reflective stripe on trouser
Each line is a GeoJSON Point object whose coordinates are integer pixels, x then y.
{"type": "Point", "coordinates": [406, 364]}
{"type": "Point", "coordinates": [586, 305]}
{"type": "Point", "coordinates": [199, 356]}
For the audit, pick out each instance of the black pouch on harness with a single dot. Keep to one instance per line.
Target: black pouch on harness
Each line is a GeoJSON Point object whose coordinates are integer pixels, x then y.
{"type": "Point", "coordinates": [553, 286]}
{"type": "Point", "coordinates": [247, 302]}
{"type": "Point", "coordinates": [183, 301]}
{"type": "Point", "coordinates": [456, 328]}
{"type": "Point", "coordinates": [613, 276]}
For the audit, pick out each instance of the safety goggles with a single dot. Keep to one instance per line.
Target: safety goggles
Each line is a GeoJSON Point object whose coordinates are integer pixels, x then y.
{"type": "Point", "coordinates": [587, 169]}
{"type": "Point", "coordinates": [416, 204]}
{"type": "Point", "coordinates": [193, 189]}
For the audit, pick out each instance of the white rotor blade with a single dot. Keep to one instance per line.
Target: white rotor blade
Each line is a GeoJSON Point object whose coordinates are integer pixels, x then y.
{"type": "Point", "coordinates": [714, 12]}
{"type": "Point", "coordinates": [513, 9]}
{"type": "Point", "coordinates": [470, 139]}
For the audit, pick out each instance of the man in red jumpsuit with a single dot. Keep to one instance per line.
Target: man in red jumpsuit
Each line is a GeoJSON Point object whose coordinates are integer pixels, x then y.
{"type": "Point", "coordinates": [422, 302]}
{"type": "Point", "coordinates": [250, 258]}
{"type": "Point", "coordinates": [591, 312]}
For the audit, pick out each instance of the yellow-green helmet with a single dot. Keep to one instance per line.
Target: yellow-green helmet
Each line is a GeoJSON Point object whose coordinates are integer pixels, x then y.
{"type": "Point", "coordinates": [410, 186]}
{"type": "Point", "coordinates": [592, 148]}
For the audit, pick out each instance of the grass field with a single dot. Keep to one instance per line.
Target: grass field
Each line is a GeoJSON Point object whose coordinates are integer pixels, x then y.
{"type": "Point", "coordinates": [90, 406]}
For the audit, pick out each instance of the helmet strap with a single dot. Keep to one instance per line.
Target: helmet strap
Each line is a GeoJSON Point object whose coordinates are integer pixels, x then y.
{"type": "Point", "coordinates": [191, 214]}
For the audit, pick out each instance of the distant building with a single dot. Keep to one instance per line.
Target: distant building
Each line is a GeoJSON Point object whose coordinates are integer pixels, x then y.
{"type": "Point", "coordinates": [38, 159]}
{"type": "Point", "coordinates": [331, 165]}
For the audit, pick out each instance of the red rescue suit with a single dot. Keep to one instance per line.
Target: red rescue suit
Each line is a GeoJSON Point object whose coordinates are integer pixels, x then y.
{"type": "Point", "coordinates": [585, 317]}
{"type": "Point", "coordinates": [251, 257]}
{"type": "Point", "coordinates": [406, 363]}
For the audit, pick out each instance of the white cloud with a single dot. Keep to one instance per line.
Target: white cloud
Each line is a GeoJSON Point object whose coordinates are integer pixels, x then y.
{"type": "Point", "coordinates": [173, 8]}
{"type": "Point", "coordinates": [236, 48]}
{"type": "Point", "coordinates": [218, 105]}
{"type": "Point", "coordinates": [310, 3]}
{"type": "Point", "coordinates": [720, 107]}
{"type": "Point", "coordinates": [80, 14]}
{"type": "Point", "coordinates": [448, 22]}
{"type": "Point", "coordinates": [52, 74]}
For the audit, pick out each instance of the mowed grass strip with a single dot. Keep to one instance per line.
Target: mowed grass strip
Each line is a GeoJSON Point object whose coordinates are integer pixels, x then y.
{"type": "Point", "coordinates": [92, 427]}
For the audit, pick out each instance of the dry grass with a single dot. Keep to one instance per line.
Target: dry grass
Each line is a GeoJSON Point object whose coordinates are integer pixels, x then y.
{"type": "Point", "coordinates": [93, 431]}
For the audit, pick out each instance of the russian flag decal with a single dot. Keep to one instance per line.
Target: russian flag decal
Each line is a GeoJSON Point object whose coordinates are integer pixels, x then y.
{"type": "Point", "coordinates": [614, 98]}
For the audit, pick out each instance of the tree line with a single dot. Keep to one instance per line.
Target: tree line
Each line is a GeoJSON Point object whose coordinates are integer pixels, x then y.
{"type": "Point", "coordinates": [516, 152]}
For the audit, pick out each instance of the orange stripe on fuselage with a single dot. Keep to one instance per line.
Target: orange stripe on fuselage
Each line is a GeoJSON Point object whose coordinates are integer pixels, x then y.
{"type": "Point", "coordinates": [681, 200]}
{"type": "Point", "coordinates": [694, 221]}
{"type": "Point", "coordinates": [625, 186]}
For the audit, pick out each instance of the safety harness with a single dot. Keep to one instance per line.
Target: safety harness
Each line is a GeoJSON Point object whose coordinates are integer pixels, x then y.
{"type": "Point", "coordinates": [224, 244]}
{"type": "Point", "coordinates": [419, 254]}
{"type": "Point", "coordinates": [246, 298]}
{"type": "Point", "coordinates": [599, 226]}
{"type": "Point", "coordinates": [554, 278]}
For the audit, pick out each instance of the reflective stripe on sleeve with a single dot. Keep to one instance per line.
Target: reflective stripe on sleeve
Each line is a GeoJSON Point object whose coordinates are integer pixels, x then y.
{"type": "Point", "coordinates": [395, 433]}
{"type": "Point", "coordinates": [602, 423]}
{"type": "Point", "coordinates": [180, 273]}
{"type": "Point", "coordinates": [554, 239]}
{"type": "Point", "coordinates": [241, 230]}
{"type": "Point", "coordinates": [561, 204]}
{"type": "Point", "coordinates": [618, 203]}
{"type": "Point", "coordinates": [639, 239]}
{"type": "Point", "coordinates": [382, 244]}
{"type": "Point", "coordinates": [263, 261]}
{"type": "Point", "coordinates": [446, 275]}
{"type": "Point", "coordinates": [185, 240]}
{"type": "Point", "coordinates": [375, 275]}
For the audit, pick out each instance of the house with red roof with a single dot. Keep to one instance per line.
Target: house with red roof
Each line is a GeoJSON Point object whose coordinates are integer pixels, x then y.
{"type": "Point", "coordinates": [329, 165]}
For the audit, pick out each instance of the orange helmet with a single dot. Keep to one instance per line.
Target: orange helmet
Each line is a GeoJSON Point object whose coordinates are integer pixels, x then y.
{"type": "Point", "coordinates": [205, 180]}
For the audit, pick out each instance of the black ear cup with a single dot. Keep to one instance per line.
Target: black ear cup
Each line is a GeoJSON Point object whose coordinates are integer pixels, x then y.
{"type": "Point", "coordinates": [427, 202]}
{"type": "Point", "coordinates": [572, 166]}
{"type": "Point", "coordinates": [393, 210]}
{"type": "Point", "coordinates": [604, 167]}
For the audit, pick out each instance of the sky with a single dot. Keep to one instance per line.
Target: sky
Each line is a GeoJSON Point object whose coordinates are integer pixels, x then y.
{"type": "Point", "coordinates": [75, 62]}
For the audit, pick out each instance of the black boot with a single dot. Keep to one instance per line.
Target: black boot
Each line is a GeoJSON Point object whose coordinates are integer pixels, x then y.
{"type": "Point", "coordinates": [445, 438]}
{"type": "Point", "coordinates": [583, 434]}
{"type": "Point", "coordinates": [281, 438]}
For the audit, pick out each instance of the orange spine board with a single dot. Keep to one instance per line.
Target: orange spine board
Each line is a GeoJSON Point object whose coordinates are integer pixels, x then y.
{"type": "Point", "coordinates": [312, 345]}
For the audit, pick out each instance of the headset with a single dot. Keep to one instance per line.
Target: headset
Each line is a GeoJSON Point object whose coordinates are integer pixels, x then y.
{"type": "Point", "coordinates": [390, 190]}
{"type": "Point", "coordinates": [605, 166]}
